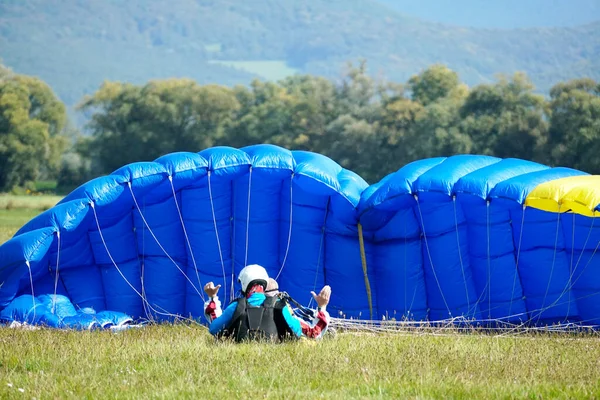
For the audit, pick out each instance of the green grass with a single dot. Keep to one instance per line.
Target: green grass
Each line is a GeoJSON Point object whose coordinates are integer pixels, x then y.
{"type": "Point", "coordinates": [12, 220]}
{"type": "Point", "coordinates": [183, 361]}
{"type": "Point", "coordinates": [16, 210]}
{"type": "Point", "coordinates": [33, 202]}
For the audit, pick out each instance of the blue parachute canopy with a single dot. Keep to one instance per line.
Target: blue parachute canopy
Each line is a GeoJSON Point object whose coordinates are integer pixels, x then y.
{"type": "Point", "coordinates": [475, 237]}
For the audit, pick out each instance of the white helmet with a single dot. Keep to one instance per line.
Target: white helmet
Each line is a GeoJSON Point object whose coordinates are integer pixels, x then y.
{"type": "Point", "coordinates": [253, 274]}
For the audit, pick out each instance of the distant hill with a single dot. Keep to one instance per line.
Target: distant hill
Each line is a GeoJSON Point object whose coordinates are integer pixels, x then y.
{"type": "Point", "coordinates": [75, 45]}
{"type": "Point", "coordinates": [502, 14]}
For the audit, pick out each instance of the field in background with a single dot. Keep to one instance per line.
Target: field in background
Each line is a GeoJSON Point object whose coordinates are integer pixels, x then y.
{"type": "Point", "coordinates": [184, 361]}
{"type": "Point", "coordinates": [177, 361]}
{"type": "Point", "coordinates": [271, 70]}
{"type": "Point", "coordinates": [16, 210]}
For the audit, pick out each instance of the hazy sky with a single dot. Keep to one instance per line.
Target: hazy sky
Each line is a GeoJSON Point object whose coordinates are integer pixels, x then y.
{"type": "Point", "coordinates": [502, 13]}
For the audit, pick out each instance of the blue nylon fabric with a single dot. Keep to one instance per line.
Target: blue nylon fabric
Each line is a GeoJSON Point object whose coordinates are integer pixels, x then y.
{"type": "Point", "coordinates": [499, 273]}
{"type": "Point", "coordinates": [59, 312]}
{"type": "Point", "coordinates": [444, 237]}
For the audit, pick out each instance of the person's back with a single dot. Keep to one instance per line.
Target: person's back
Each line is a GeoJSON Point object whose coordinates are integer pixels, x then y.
{"type": "Point", "coordinates": [256, 316]}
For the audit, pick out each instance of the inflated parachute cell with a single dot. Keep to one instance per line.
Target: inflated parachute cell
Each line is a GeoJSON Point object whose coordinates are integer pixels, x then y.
{"type": "Point", "coordinates": [145, 239]}
{"type": "Point", "coordinates": [484, 239]}
{"type": "Point", "coordinates": [467, 237]}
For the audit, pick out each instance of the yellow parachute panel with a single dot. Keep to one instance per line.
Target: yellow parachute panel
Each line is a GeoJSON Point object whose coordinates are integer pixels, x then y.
{"type": "Point", "coordinates": [578, 194]}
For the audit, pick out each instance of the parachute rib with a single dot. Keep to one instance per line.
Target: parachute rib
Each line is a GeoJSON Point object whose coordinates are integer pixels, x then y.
{"type": "Point", "coordinates": [212, 209]}
{"type": "Point", "coordinates": [158, 242]}
{"type": "Point", "coordinates": [289, 238]}
{"type": "Point", "coordinates": [187, 239]}
{"type": "Point", "coordinates": [512, 296]}
{"type": "Point", "coordinates": [430, 258]}
{"type": "Point", "coordinates": [53, 310]}
{"type": "Point", "coordinates": [247, 216]}
{"type": "Point", "coordinates": [462, 266]}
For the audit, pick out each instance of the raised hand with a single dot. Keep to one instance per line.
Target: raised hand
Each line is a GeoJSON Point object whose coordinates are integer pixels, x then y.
{"type": "Point", "coordinates": [211, 290]}
{"type": "Point", "coordinates": [322, 298]}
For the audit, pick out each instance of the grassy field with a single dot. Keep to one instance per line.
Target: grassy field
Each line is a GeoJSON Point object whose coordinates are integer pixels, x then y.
{"type": "Point", "coordinates": [271, 70]}
{"type": "Point", "coordinates": [15, 211]}
{"type": "Point", "coordinates": [183, 361]}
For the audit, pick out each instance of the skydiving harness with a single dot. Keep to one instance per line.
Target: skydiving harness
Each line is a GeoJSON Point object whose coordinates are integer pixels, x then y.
{"type": "Point", "coordinates": [260, 323]}
{"type": "Point", "coordinates": [306, 314]}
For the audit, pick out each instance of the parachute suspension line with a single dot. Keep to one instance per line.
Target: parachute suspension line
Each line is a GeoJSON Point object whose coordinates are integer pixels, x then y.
{"type": "Point", "coordinates": [320, 250]}
{"type": "Point", "coordinates": [552, 268]}
{"type": "Point", "coordinates": [570, 283]}
{"type": "Point", "coordinates": [489, 261]}
{"type": "Point", "coordinates": [405, 273]}
{"type": "Point", "coordinates": [429, 256]}
{"type": "Point", "coordinates": [32, 292]}
{"type": "Point", "coordinates": [174, 316]}
{"type": "Point", "coordinates": [462, 266]}
{"type": "Point", "coordinates": [586, 242]}
{"type": "Point", "coordinates": [212, 208]}
{"type": "Point", "coordinates": [158, 242]}
{"type": "Point", "coordinates": [486, 288]}
{"type": "Point", "coordinates": [144, 300]}
{"type": "Point", "coordinates": [363, 258]}
{"type": "Point", "coordinates": [56, 273]}
{"type": "Point", "coordinates": [412, 302]}
{"type": "Point", "coordinates": [588, 263]}
{"type": "Point", "coordinates": [187, 239]}
{"type": "Point", "coordinates": [232, 227]}
{"type": "Point", "coordinates": [582, 251]}
{"type": "Point", "coordinates": [573, 241]}
{"type": "Point", "coordinates": [248, 215]}
{"type": "Point", "coordinates": [542, 309]}
{"type": "Point", "coordinates": [571, 270]}
{"type": "Point", "coordinates": [93, 206]}
{"type": "Point", "coordinates": [147, 308]}
{"type": "Point", "coordinates": [289, 239]}
{"type": "Point", "coordinates": [512, 296]}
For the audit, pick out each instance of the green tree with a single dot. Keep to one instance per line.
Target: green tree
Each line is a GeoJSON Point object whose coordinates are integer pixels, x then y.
{"type": "Point", "coordinates": [293, 113]}
{"type": "Point", "coordinates": [506, 119]}
{"type": "Point", "coordinates": [4, 71]}
{"type": "Point", "coordinates": [574, 138]}
{"type": "Point", "coordinates": [31, 125]}
{"type": "Point", "coordinates": [133, 123]}
{"type": "Point", "coordinates": [434, 83]}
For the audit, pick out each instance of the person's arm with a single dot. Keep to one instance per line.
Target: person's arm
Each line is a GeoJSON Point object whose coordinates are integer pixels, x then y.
{"type": "Point", "coordinates": [318, 327]}
{"type": "Point", "coordinates": [299, 327]}
{"type": "Point", "coordinates": [222, 321]}
{"type": "Point", "coordinates": [212, 310]}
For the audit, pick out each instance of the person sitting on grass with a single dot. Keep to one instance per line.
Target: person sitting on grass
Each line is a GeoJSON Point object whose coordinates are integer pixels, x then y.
{"type": "Point", "coordinates": [251, 317]}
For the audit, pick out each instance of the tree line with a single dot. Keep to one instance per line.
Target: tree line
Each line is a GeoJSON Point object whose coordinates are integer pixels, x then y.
{"type": "Point", "coordinates": [370, 126]}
